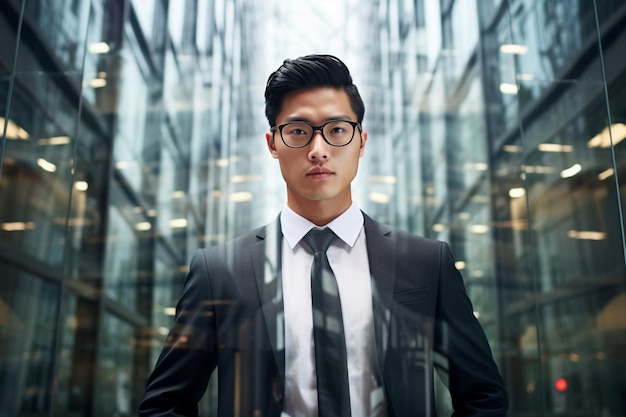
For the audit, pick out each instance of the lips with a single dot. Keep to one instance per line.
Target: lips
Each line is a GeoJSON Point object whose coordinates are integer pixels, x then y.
{"type": "Point", "coordinates": [319, 172]}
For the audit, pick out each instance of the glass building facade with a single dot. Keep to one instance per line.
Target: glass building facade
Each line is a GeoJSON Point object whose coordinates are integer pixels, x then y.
{"type": "Point", "coordinates": [132, 133]}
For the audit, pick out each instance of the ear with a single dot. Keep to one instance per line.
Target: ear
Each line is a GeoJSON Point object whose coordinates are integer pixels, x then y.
{"type": "Point", "coordinates": [271, 145]}
{"type": "Point", "coordinates": [363, 141]}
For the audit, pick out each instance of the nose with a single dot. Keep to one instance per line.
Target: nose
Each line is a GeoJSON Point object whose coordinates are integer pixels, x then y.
{"type": "Point", "coordinates": [318, 148]}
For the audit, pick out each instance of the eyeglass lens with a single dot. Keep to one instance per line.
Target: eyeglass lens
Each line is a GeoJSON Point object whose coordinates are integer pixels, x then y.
{"type": "Point", "coordinates": [298, 134]}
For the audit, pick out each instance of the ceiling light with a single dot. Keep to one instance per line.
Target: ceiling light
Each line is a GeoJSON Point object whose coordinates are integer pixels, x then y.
{"type": "Point", "coordinates": [17, 226]}
{"type": "Point", "coordinates": [46, 165]}
{"type": "Point", "coordinates": [476, 166]}
{"type": "Point", "coordinates": [538, 169]}
{"type": "Point", "coordinates": [603, 139]}
{"type": "Point", "coordinates": [383, 179]}
{"type": "Point", "coordinates": [13, 130]}
{"type": "Point", "coordinates": [517, 192]}
{"type": "Point", "coordinates": [586, 235]}
{"type": "Point", "coordinates": [607, 173]}
{"type": "Point", "coordinates": [438, 227]}
{"type": "Point", "coordinates": [244, 178]}
{"type": "Point", "coordinates": [509, 88]}
{"type": "Point", "coordinates": [513, 49]}
{"type": "Point", "coordinates": [81, 185]}
{"type": "Point", "coordinates": [381, 198]}
{"type": "Point", "coordinates": [143, 226]}
{"type": "Point", "coordinates": [125, 164]}
{"type": "Point", "coordinates": [241, 197]}
{"type": "Point", "coordinates": [178, 223]}
{"type": "Point", "coordinates": [512, 148]}
{"type": "Point", "coordinates": [479, 228]}
{"type": "Point", "coordinates": [98, 48]}
{"type": "Point", "coordinates": [56, 140]}
{"type": "Point", "coordinates": [95, 83]}
{"type": "Point", "coordinates": [571, 171]}
{"type": "Point", "coordinates": [554, 147]}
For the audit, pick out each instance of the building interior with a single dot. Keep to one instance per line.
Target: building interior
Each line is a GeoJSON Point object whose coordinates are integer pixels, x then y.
{"type": "Point", "coordinates": [132, 134]}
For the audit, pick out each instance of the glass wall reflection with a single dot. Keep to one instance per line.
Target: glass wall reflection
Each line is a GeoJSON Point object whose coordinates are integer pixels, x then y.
{"type": "Point", "coordinates": [132, 134]}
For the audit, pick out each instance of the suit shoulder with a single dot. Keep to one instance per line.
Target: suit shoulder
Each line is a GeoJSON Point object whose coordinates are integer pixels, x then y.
{"type": "Point", "coordinates": [403, 237]}
{"type": "Point", "coordinates": [237, 245]}
{"type": "Point", "coordinates": [416, 238]}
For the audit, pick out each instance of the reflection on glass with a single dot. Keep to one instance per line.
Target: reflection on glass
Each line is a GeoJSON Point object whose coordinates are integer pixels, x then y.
{"type": "Point", "coordinates": [132, 134]}
{"type": "Point", "coordinates": [28, 311]}
{"type": "Point", "coordinates": [115, 369]}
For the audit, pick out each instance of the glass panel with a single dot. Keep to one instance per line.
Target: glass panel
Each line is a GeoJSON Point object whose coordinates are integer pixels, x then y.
{"type": "Point", "coordinates": [98, 58]}
{"type": "Point", "coordinates": [38, 166]}
{"type": "Point", "coordinates": [145, 9]}
{"type": "Point", "coordinates": [120, 270]}
{"type": "Point", "coordinates": [113, 395]}
{"type": "Point", "coordinates": [131, 120]}
{"type": "Point", "coordinates": [68, 392]}
{"type": "Point", "coordinates": [63, 25]}
{"type": "Point", "coordinates": [563, 214]}
{"type": "Point", "coordinates": [28, 313]}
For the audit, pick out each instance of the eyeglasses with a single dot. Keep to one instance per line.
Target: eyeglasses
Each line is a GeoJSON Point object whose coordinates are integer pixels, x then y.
{"type": "Point", "coordinates": [300, 134]}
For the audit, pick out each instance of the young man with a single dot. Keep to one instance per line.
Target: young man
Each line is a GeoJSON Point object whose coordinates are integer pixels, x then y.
{"type": "Point", "coordinates": [252, 308]}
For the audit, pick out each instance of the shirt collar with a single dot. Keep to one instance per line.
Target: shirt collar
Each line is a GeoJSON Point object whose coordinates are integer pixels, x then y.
{"type": "Point", "coordinates": [347, 226]}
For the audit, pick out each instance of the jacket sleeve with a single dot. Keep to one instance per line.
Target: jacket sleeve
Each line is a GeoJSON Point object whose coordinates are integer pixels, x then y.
{"type": "Point", "coordinates": [475, 385]}
{"type": "Point", "coordinates": [182, 372]}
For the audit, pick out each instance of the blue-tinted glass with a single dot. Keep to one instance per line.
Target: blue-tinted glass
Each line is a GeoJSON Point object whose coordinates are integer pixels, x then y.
{"type": "Point", "coordinates": [135, 135]}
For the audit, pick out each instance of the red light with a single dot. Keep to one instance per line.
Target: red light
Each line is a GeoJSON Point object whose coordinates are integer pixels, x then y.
{"type": "Point", "coordinates": [560, 384]}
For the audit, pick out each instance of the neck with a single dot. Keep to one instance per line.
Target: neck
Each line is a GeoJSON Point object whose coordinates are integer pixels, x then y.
{"type": "Point", "coordinates": [321, 212]}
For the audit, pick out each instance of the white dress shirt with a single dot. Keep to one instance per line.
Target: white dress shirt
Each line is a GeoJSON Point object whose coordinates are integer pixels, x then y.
{"type": "Point", "coordinates": [348, 259]}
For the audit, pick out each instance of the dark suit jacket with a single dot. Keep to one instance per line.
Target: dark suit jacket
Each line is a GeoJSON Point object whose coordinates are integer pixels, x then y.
{"type": "Point", "coordinates": [230, 316]}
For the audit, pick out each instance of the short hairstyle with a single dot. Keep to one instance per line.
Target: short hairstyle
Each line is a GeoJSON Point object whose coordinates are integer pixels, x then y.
{"type": "Point", "coordinates": [308, 72]}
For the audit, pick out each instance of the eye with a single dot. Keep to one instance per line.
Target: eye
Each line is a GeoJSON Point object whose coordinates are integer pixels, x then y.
{"type": "Point", "coordinates": [296, 130]}
{"type": "Point", "coordinates": [337, 130]}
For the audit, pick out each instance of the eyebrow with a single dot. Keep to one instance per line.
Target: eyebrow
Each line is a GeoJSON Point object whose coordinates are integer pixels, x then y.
{"type": "Point", "coordinates": [328, 119]}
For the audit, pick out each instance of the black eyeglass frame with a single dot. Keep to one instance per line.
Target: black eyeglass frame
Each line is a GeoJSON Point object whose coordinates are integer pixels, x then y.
{"type": "Point", "coordinates": [280, 128]}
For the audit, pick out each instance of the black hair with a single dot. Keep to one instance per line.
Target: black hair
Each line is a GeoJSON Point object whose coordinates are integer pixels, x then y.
{"type": "Point", "coordinates": [307, 72]}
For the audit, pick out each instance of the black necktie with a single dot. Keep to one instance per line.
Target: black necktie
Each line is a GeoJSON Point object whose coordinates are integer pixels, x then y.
{"type": "Point", "coordinates": [333, 397]}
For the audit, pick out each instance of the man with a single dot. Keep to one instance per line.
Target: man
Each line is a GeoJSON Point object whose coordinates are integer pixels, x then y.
{"type": "Point", "coordinates": [395, 304]}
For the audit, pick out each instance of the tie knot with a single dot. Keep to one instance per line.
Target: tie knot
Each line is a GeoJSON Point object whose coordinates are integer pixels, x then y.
{"type": "Point", "coordinates": [319, 239]}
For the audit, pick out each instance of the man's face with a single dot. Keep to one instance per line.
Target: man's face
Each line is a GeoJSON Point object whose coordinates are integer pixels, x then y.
{"type": "Point", "coordinates": [318, 172]}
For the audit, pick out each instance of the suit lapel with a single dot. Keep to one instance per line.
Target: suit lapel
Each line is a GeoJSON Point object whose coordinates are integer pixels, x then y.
{"type": "Point", "coordinates": [381, 252]}
{"type": "Point", "coordinates": [266, 261]}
